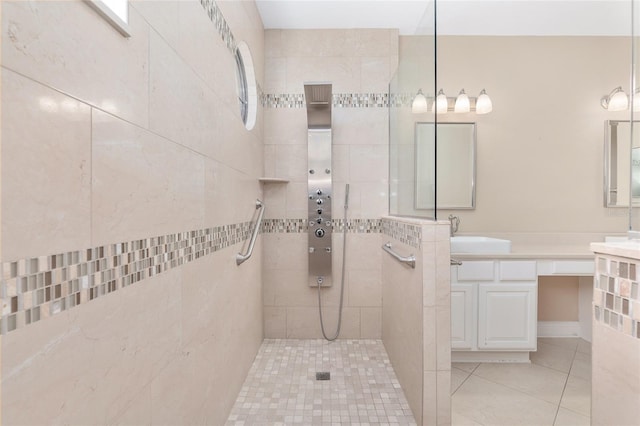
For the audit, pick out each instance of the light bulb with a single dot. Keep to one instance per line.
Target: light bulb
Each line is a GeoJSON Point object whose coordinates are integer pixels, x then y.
{"type": "Point", "coordinates": [462, 103]}
{"type": "Point", "coordinates": [441, 105]}
{"type": "Point", "coordinates": [419, 104]}
{"type": "Point", "coordinates": [618, 100]}
{"type": "Point", "coordinates": [483, 103]}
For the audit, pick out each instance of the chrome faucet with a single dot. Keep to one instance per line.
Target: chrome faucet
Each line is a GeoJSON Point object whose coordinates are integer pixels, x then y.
{"type": "Point", "coordinates": [455, 223]}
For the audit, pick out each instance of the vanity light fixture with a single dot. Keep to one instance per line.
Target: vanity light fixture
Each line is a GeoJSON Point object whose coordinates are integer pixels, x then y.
{"type": "Point", "coordinates": [419, 104]}
{"type": "Point", "coordinates": [483, 103]}
{"type": "Point", "coordinates": [462, 103]}
{"type": "Point", "coordinates": [441, 105]}
{"type": "Point", "coordinates": [616, 100]}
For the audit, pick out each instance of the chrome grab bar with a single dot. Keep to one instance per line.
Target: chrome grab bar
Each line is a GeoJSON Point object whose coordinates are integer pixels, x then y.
{"type": "Point", "coordinates": [242, 257]}
{"type": "Point", "coordinates": [409, 260]}
{"type": "Point", "coordinates": [455, 262]}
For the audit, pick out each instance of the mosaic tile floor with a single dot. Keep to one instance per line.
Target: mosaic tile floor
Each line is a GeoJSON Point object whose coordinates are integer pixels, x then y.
{"type": "Point", "coordinates": [281, 388]}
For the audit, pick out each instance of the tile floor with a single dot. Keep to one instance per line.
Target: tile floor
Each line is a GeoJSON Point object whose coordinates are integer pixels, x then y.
{"type": "Point", "coordinates": [281, 388]}
{"type": "Point", "coordinates": [554, 390]}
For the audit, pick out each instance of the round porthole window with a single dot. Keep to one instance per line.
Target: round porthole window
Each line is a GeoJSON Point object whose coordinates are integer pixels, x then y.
{"type": "Point", "coordinates": [246, 86]}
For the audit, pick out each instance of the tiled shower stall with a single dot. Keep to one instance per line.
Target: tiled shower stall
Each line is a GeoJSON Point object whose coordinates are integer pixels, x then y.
{"type": "Point", "coordinates": [128, 186]}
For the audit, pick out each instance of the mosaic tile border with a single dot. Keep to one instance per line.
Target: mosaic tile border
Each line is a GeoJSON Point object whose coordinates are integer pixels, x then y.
{"type": "Point", "coordinates": [292, 226]}
{"type": "Point", "coordinates": [37, 288]}
{"type": "Point", "coordinates": [339, 100]}
{"type": "Point", "coordinates": [215, 15]}
{"type": "Point", "coordinates": [398, 100]}
{"type": "Point", "coordinates": [406, 233]}
{"type": "Point", "coordinates": [221, 25]}
{"type": "Point", "coordinates": [616, 294]}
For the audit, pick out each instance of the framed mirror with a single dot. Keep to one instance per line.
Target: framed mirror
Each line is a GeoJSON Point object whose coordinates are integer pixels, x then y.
{"type": "Point", "coordinates": [621, 176]}
{"type": "Point", "coordinates": [456, 166]}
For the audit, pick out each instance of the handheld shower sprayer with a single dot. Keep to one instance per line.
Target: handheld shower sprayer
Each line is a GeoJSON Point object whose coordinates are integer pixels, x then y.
{"type": "Point", "coordinates": [345, 227]}
{"type": "Point", "coordinates": [346, 198]}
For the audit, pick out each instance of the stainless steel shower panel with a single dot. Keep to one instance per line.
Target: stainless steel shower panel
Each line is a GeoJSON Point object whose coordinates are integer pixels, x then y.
{"type": "Point", "coordinates": [318, 99]}
{"type": "Point", "coordinates": [319, 207]}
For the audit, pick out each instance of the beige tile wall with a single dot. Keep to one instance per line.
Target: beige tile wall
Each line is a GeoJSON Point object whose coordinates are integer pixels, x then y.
{"type": "Point", "coordinates": [107, 139]}
{"type": "Point", "coordinates": [354, 61]}
{"type": "Point", "coordinates": [417, 335]}
{"type": "Point", "coordinates": [402, 321]}
{"type": "Point", "coordinates": [46, 184]}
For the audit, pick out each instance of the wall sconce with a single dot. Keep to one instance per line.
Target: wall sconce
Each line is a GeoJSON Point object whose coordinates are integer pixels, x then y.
{"type": "Point", "coordinates": [461, 104]}
{"type": "Point", "coordinates": [420, 103]}
{"type": "Point", "coordinates": [616, 100]}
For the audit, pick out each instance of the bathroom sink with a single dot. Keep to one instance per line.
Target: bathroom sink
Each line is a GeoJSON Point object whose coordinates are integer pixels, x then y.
{"type": "Point", "coordinates": [473, 244]}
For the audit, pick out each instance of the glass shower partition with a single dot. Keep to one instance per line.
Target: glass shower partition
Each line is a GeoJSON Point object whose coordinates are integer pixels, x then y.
{"type": "Point", "coordinates": [634, 111]}
{"type": "Point", "coordinates": [415, 77]}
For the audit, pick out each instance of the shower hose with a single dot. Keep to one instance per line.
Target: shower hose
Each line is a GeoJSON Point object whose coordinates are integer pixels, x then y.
{"type": "Point", "coordinates": [344, 257]}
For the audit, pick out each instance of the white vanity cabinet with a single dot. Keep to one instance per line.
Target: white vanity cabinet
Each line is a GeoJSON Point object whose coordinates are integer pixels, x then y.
{"type": "Point", "coordinates": [494, 308]}
{"type": "Point", "coordinates": [464, 311]}
{"type": "Point", "coordinates": [507, 317]}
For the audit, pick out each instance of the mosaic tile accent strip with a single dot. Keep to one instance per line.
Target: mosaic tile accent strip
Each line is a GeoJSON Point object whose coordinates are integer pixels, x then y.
{"type": "Point", "coordinates": [399, 100]}
{"type": "Point", "coordinates": [361, 100]}
{"type": "Point", "coordinates": [213, 11]}
{"type": "Point", "coordinates": [287, 226]}
{"type": "Point", "coordinates": [281, 387]}
{"type": "Point", "coordinates": [37, 288]}
{"type": "Point", "coordinates": [616, 294]}
{"type": "Point", "coordinates": [283, 100]}
{"type": "Point", "coordinates": [360, 226]}
{"type": "Point", "coordinates": [340, 100]}
{"type": "Point", "coordinates": [221, 25]}
{"type": "Point", "coordinates": [406, 233]}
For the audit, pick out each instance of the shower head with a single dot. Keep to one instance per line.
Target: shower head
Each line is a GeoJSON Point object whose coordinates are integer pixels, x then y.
{"type": "Point", "coordinates": [317, 94]}
{"type": "Point", "coordinates": [318, 99]}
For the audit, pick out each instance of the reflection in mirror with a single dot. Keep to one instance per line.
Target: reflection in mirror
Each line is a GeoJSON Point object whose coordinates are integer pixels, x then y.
{"type": "Point", "coordinates": [456, 165]}
{"type": "Point", "coordinates": [618, 170]}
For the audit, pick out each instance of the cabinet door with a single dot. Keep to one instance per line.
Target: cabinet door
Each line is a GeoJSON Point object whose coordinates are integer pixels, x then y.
{"type": "Point", "coordinates": [463, 315]}
{"type": "Point", "coordinates": [507, 316]}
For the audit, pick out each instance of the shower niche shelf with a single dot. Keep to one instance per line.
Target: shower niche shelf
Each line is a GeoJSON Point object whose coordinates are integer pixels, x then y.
{"type": "Point", "coordinates": [272, 180]}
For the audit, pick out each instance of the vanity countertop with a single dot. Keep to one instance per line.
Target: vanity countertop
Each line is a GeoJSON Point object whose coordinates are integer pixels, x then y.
{"type": "Point", "coordinates": [549, 260]}
{"type": "Point", "coordinates": [630, 249]}
{"type": "Point", "coordinates": [544, 246]}
{"type": "Point", "coordinates": [534, 252]}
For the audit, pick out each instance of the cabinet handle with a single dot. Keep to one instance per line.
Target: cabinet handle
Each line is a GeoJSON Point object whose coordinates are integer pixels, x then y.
{"type": "Point", "coordinates": [455, 262]}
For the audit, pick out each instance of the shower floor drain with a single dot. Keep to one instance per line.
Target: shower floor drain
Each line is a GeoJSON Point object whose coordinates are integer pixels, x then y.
{"type": "Point", "coordinates": [323, 375]}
